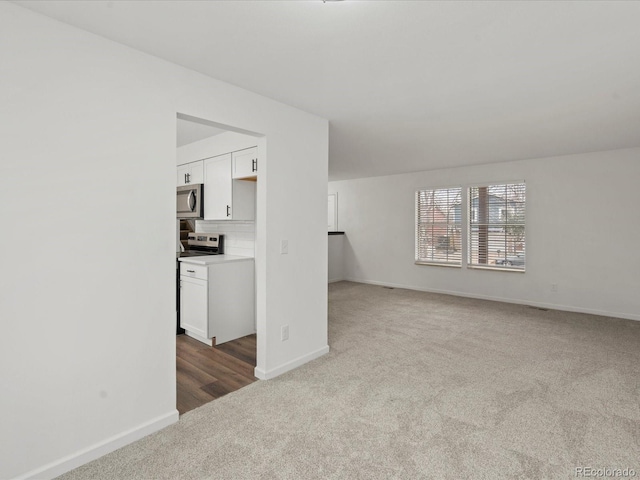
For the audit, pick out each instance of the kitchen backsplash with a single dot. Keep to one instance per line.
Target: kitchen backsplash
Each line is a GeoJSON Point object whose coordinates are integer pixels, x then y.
{"type": "Point", "coordinates": [239, 237]}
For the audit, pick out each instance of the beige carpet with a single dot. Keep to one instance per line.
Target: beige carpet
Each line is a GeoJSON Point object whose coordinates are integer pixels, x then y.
{"type": "Point", "coordinates": [419, 385]}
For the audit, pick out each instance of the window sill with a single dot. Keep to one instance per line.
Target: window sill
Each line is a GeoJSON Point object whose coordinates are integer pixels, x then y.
{"type": "Point", "coordinates": [435, 264]}
{"type": "Point", "coordinates": [496, 269]}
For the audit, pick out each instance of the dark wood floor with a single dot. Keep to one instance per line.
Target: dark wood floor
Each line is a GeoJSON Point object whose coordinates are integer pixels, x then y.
{"type": "Point", "coordinates": [205, 373]}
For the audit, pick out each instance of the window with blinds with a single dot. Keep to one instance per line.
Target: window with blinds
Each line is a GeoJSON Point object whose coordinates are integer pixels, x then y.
{"type": "Point", "coordinates": [438, 226]}
{"type": "Point", "coordinates": [496, 226]}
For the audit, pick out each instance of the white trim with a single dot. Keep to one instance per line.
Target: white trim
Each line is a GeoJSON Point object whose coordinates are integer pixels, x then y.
{"type": "Point", "coordinates": [492, 183]}
{"type": "Point", "coordinates": [81, 457]}
{"type": "Point", "coordinates": [552, 306]}
{"type": "Point", "coordinates": [274, 372]}
{"type": "Point", "coordinates": [334, 226]}
{"type": "Point", "coordinates": [489, 268]}
{"type": "Point", "coordinates": [333, 280]}
{"type": "Point", "coordinates": [436, 264]}
{"type": "Point", "coordinates": [418, 190]}
{"type": "Point", "coordinates": [200, 338]}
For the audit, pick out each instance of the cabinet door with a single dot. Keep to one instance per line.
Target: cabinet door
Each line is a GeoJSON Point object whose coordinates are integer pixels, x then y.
{"type": "Point", "coordinates": [218, 188]}
{"type": "Point", "coordinates": [245, 163]}
{"type": "Point", "coordinates": [194, 311]}
{"type": "Point", "coordinates": [191, 173]}
{"type": "Point", "coordinates": [196, 172]}
{"type": "Point", "coordinates": [183, 170]}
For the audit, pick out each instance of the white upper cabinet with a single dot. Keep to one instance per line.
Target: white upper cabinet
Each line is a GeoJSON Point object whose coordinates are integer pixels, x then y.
{"type": "Point", "coordinates": [191, 173]}
{"type": "Point", "coordinates": [225, 198]}
{"type": "Point", "coordinates": [245, 163]}
{"type": "Point", "coordinates": [218, 194]}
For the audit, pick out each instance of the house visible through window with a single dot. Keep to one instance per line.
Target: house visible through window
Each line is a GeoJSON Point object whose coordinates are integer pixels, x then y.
{"type": "Point", "coordinates": [438, 226]}
{"type": "Point", "coordinates": [496, 231]}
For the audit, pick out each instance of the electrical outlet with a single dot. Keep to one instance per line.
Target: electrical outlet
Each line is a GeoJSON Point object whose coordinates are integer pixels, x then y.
{"type": "Point", "coordinates": [284, 247]}
{"type": "Point", "coordinates": [554, 287]}
{"type": "Point", "coordinates": [284, 333]}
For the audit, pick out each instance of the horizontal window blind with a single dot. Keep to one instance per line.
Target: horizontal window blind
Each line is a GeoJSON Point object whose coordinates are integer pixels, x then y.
{"type": "Point", "coordinates": [497, 226]}
{"type": "Point", "coordinates": [438, 226]}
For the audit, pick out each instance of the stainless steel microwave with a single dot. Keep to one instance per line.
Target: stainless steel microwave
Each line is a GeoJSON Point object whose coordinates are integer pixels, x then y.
{"type": "Point", "coordinates": [190, 204]}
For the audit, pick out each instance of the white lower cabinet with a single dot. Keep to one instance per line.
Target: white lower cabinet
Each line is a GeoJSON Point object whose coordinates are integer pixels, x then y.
{"type": "Point", "coordinates": [221, 303]}
{"type": "Point", "coordinates": [193, 305]}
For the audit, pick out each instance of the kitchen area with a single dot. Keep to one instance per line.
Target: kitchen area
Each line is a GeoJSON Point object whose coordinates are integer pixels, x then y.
{"type": "Point", "coordinates": [217, 175]}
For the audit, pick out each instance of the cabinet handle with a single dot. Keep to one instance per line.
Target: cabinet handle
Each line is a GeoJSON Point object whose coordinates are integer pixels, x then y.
{"type": "Point", "coordinates": [185, 178]}
{"type": "Point", "coordinates": [188, 178]}
{"type": "Point", "coordinates": [228, 212]}
{"type": "Point", "coordinates": [254, 165]}
{"type": "Point", "coordinates": [191, 271]}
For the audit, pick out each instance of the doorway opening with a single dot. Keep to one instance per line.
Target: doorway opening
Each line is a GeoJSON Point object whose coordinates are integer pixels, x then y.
{"type": "Point", "coordinates": [217, 169]}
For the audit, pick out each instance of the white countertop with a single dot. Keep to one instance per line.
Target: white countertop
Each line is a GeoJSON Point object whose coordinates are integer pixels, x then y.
{"type": "Point", "coordinates": [213, 259]}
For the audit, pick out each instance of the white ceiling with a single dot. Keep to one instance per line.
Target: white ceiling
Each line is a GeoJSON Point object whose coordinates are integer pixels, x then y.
{"type": "Point", "coordinates": [408, 86]}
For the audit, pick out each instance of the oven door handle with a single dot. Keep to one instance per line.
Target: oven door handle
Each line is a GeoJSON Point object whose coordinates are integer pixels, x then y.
{"type": "Point", "coordinates": [191, 200]}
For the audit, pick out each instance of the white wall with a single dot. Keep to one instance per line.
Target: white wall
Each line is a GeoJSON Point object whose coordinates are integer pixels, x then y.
{"type": "Point", "coordinates": [336, 258]}
{"type": "Point", "coordinates": [87, 184]}
{"type": "Point", "coordinates": [582, 233]}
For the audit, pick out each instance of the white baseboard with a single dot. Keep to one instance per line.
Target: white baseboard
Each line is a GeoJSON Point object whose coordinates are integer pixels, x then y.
{"type": "Point", "coordinates": [200, 338]}
{"type": "Point", "coordinates": [551, 306]}
{"type": "Point", "coordinates": [97, 450]}
{"type": "Point", "coordinates": [274, 372]}
{"type": "Point", "coordinates": [333, 280]}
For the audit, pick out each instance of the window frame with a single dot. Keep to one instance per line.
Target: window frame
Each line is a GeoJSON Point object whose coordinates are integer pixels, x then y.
{"type": "Point", "coordinates": [459, 224]}
{"type": "Point", "coordinates": [468, 226]}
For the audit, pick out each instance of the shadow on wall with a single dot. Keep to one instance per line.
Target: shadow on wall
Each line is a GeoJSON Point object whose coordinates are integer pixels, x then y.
{"type": "Point", "coordinates": [350, 263]}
